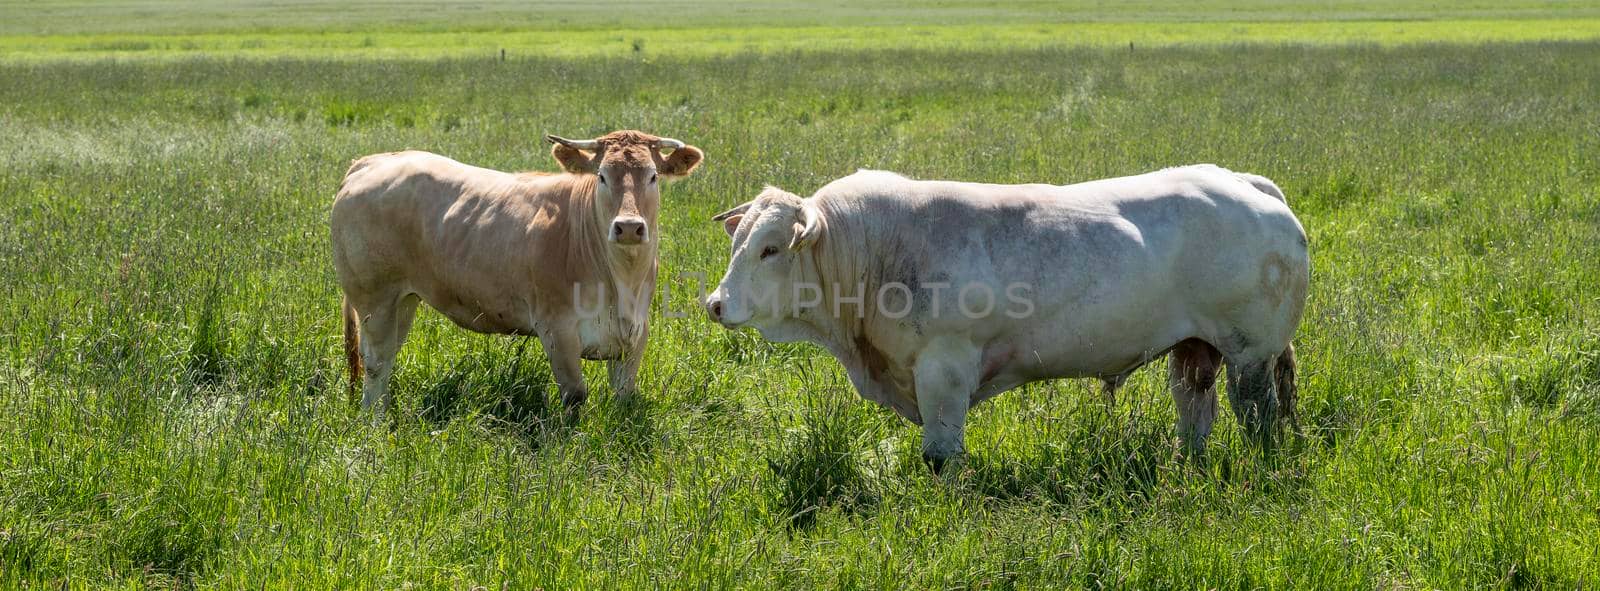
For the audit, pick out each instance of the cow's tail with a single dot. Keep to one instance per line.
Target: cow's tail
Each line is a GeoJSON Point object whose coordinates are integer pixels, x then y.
{"type": "Point", "coordinates": [1263, 184]}
{"type": "Point", "coordinates": [352, 342]}
{"type": "Point", "coordinates": [1288, 394]}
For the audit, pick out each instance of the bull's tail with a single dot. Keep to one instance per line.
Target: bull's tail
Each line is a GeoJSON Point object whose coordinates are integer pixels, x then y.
{"type": "Point", "coordinates": [1263, 184]}
{"type": "Point", "coordinates": [1288, 393]}
{"type": "Point", "coordinates": [352, 342]}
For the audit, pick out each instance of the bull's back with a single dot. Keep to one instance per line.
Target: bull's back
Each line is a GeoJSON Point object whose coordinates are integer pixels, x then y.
{"type": "Point", "coordinates": [1136, 261]}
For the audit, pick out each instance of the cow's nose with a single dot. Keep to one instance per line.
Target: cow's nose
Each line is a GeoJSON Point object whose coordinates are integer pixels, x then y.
{"type": "Point", "coordinates": [714, 307]}
{"type": "Point", "coordinates": [628, 231]}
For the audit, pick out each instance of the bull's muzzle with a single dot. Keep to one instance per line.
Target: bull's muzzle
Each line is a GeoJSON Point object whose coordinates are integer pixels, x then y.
{"type": "Point", "coordinates": [715, 309]}
{"type": "Point", "coordinates": [629, 230]}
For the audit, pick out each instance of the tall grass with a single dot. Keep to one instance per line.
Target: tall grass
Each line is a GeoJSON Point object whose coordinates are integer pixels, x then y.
{"type": "Point", "coordinates": [175, 413]}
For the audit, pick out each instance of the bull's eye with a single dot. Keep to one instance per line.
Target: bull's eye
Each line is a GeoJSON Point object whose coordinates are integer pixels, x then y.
{"type": "Point", "coordinates": [768, 251]}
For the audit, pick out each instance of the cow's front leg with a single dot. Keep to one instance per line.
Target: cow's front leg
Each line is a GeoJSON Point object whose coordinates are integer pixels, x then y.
{"type": "Point", "coordinates": [566, 363]}
{"type": "Point", "coordinates": [624, 372]}
{"type": "Point", "coordinates": [946, 375]}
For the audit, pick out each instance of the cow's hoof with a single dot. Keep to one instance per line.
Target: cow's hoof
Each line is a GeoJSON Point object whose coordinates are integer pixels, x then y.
{"type": "Point", "coordinates": [935, 462]}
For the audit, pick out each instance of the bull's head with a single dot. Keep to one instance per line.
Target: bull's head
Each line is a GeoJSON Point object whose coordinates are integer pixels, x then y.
{"type": "Point", "coordinates": [766, 284]}
{"type": "Point", "coordinates": [628, 166]}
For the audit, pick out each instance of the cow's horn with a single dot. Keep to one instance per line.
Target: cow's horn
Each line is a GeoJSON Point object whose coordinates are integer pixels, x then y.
{"type": "Point", "coordinates": [574, 144]}
{"type": "Point", "coordinates": [667, 143]}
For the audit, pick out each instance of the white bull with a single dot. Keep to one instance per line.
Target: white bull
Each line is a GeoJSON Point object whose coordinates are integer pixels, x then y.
{"type": "Point", "coordinates": [937, 295]}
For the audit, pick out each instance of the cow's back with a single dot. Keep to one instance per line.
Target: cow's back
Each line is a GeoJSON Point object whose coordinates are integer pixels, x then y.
{"type": "Point", "coordinates": [379, 215]}
{"type": "Point", "coordinates": [454, 234]}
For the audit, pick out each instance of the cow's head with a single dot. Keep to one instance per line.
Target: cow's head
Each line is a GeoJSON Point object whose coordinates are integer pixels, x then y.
{"type": "Point", "coordinates": [628, 166]}
{"type": "Point", "coordinates": [765, 286]}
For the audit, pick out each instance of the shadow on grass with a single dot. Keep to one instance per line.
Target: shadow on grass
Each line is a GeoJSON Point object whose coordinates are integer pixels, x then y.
{"type": "Point", "coordinates": [1123, 459]}
{"type": "Point", "coordinates": [512, 393]}
{"type": "Point", "coordinates": [1098, 459]}
{"type": "Point", "coordinates": [626, 427]}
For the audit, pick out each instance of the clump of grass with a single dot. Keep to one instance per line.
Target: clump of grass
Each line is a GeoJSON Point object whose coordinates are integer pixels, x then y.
{"type": "Point", "coordinates": [340, 113]}
{"type": "Point", "coordinates": [817, 466]}
{"type": "Point", "coordinates": [1547, 377]}
{"type": "Point", "coordinates": [207, 358]}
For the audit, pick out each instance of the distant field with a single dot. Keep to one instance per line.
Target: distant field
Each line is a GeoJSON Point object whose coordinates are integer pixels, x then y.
{"type": "Point", "coordinates": [171, 387]}
{"type": "Point", "coordinates": [163, 29]}
{"type": "Point", "coordinates": [58, 17]}
{"type": "Point", "coordinates": [707, 42]}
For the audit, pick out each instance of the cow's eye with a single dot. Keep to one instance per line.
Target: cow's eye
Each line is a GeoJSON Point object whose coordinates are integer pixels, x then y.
{"type": "Point", "coordinates": [601, 177]}
{"type": "Point", "coordinates": [652, 177]}
{"type": "Point", "coordinates": [768, 251]}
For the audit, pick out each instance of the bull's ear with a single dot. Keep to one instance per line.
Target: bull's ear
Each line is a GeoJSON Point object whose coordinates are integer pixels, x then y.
{"type": "Point", "coordinates": [730, 219]}
{"type": "Point", "coordinates": [809, 229]}
{"type": "Point", "coordinates": [731, 224]}
{"type": "Point", "coordinates": [681, 162]}
{"type": "Point", "coordinates": [572, 159]}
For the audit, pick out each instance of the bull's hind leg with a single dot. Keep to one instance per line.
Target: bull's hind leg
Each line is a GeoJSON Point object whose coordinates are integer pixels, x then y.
{"type": "Point", "coordinates": [384, 326]}
{"type": "Point", "coordinates": [1192, 376]}
{"type": "Point", "coordinates": [1288, 392]}
{"type": "Point", "coordinates": [1252, 393]}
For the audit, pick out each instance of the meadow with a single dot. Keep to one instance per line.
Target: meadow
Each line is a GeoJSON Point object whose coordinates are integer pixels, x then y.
{"type": "Point", "coordinates": [173, 411]}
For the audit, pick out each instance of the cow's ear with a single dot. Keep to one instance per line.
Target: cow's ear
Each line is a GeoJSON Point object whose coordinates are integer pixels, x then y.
{"type": "Point", "coordinates": [730, 219]}
{"type": "Point", "coordinates": [809, 228]}
{"type": "Point", "coordinates": [574, 160]}
{"type": "Point", "coordinates": [681, 162]}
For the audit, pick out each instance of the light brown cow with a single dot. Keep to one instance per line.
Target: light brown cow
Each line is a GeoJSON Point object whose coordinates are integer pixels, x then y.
{"type": "Point", "coordinates": [569, 257]}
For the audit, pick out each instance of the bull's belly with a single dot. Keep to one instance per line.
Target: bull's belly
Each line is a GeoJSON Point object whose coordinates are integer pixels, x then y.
{"type": "Point", "coordinates": [1069, 349]}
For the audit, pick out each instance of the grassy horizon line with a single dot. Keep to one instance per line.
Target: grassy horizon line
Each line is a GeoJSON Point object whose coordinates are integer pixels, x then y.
{"type": "Point", "coordinates": [721, 41]}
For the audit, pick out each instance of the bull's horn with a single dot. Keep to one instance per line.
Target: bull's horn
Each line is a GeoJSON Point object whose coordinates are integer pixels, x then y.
{"type": "Point", "coordinates": [667, 143]}
{"type": "Point", "coordinates": [574, 144]}
{"type": "Point", "coordinates": [732, 212]}
{"type": "Point", "coordinates": [811, 226]}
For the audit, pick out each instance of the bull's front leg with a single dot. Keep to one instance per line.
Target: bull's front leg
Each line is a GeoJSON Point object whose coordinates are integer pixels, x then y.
{"type": "Point", "coordinates": [624, 372]}
{"type": "Point", "coordinates": [565, 350]}
{"type": "Point", "coordinates": [946, 375]}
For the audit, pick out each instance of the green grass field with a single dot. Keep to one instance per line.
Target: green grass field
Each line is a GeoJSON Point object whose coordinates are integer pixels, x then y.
{"type": "Point", "coordinates": [173, 411]}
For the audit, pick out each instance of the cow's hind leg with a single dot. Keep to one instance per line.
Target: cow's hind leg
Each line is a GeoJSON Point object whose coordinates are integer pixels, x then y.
{"type": "Point", "coordinates": [1192, 376]}
{"type": "Point", "coordinates": [384, 326]}
{"type": "Point", "coordinates": [1252, 393]}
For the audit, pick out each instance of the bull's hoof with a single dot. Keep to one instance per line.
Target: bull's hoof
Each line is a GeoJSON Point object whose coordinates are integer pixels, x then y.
{"type": "Point", "coordinates": [946, 465]}
{"type": "Point", "coordinates": [572, 407]}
